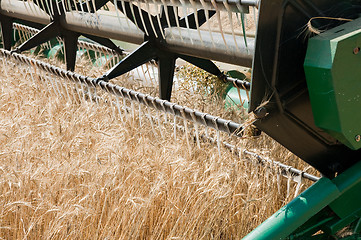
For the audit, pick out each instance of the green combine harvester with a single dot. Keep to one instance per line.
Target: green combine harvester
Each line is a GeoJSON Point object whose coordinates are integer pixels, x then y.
{"type": "Point", "coordinates": [305, 57]}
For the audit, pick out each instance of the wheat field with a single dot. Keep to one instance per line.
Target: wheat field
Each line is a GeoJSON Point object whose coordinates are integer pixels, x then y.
{"type": "Point", "coordinates": [70, 169]}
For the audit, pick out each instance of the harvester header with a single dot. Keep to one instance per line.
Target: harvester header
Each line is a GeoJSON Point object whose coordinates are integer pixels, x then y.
{"type": "Point", "coordinates": [305, 86]}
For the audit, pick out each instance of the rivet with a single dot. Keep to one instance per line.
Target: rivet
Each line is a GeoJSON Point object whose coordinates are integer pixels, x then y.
{"type": "Point", "coordinates": [358, 138]}
{"type": "Point", "coordinates": [356, 50]}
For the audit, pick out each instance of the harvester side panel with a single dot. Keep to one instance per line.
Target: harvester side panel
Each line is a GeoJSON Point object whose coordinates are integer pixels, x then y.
{"type": "Point", "coordinates": [278, 77]}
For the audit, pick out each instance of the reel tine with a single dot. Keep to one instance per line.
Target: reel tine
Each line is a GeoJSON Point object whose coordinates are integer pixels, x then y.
{"type": "Point", "coordinates": [278, 181]}
{"type": "Point", "coordinates": [95, 93]}
{"type": "Point", "coordinates": [149, 116]}
{"type": "Point", "coordinates": [66, 5]}
{"type": "Point", "coordinates": [60, 86]}
{"type": "Point", "coordinates": [63, 5]}
{"type": "Point", "coordinates": [151, 19]}
{"type": "Point", "coordinates": [74, 89]}
{"type": "Point", "coordinates": [52, 84]}
{"type": "Point", "coordinates": [58, 7]}
{"type": "Point", "coordinates": [298, 179]}
{"type": "Point", "coordinates": [49, 9]}
{"type": "Point", "coordinates": [111, 101]}
{"type": "Point", "coordinates": [69, 5]}
{"type": "Point", "coordinates": [164, 111]}
{"type": "Point", "coordinates": [289, 178]}
{"type": "Point", "coordinates": [206, 11]}
{"type": "Point", "coordinates": [160, 125]}
{"type": "Point", "coordinates": [136, 71]}
{"type": "Point", "coordinates": [75, 5]}
{"type": "Point", "coordinates": [243, 19]}
{"type": "Point", "coordinates": [114, 61]}
{"type": "Point", "coordinates": [89, 57]}
{"type": "Point", "coordinates": [122, 2]}
{"type": "Point", "coordinates": [27, 35]}
{"type": "Point", "coordinates": [205, 125]}
{"type": "Point", "coordinates": [94, 7]}
{"type": "Point", "coordinates": [186, 130]}
{"type": "Point", "coordinates": [132, 108]}
{"type": "Point", "coordinates": [133, 14]}
{"type": "Point", "coordinates": [4, 66]}
{"type": "Point", "coordinates": [22, 36]}
{"type": "Point", "coordinates": [107, 58]}
{"type": "Point", "coordinates": [185, 15]}
{"type": "Point", "coordinates": [150, 77]}
{"type": "Point", "coordinates": [195, 12]}
{"type": "Point", "coordinates": [155, 74]}
{"type": "Point", "coordinates": [119, 110]}
{"type": "Point", "coordinates": [45, 78]}
{"type": "Point", "coordinates": [82, 91]}
{"type": "Point", "coordinates": [195, 124]}
{"type": "Point", "coordinates": [174, 122]}
{"type": "Point", "coordinates": [229, 13]}
{"type": "Point", "coordinates": [159, 12]}
{"type": "Point", "coordinates": [124, 106]}
{"type": "Point", "coordinates": [146, 80]}
{"type": "Point", "coordinates": [141, 17]}
{"type": "Point", "coordinates": [175, 13]}
{"type": "Point", "coordinates": [88, 6]}
{"type": "Point", "coordinates": [218, 15]}
{"type": "Point", "coordinates": [164, 11]}
{"type": "Point", "coordinates": [139, 110]}
{"type": "Point", "coordinates": [218, 136]}
{"type": "Point", "coordinates": [47, 45]}
{"type": "Point", "coordinates": [80, 8]}
{"type": "Point", "coordinates": [60, 41]}
{"type": "Point", "coordinates": [118, 16]}
{"type": "Point", "coordinates": [65, 86]}
{"type": "Point", "coordinates": [89, 93]}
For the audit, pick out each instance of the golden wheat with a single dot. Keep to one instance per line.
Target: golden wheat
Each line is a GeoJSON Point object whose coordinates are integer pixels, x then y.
{"type": "Point", "coordinates": [71, 170]}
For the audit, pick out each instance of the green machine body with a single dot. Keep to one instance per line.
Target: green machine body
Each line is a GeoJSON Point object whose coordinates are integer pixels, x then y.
{"type": "Point", "coordinates": [333, 74]}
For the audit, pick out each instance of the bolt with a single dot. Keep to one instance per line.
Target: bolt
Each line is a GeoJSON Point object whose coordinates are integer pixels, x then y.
{"type": "Point", "coordinates": [261, 112]}
{"type": "Point", "coordinates": [358, 138]}
{"type": "Point", "coordinates": [356, 50]}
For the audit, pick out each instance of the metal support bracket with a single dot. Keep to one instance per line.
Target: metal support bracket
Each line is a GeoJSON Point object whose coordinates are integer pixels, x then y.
{"type": "Point", "coordinates": [55, 28]}
{"type": "Point", "coordinates": [6, 28]}
{"type": "Point", "coordinates": [154, 46]}
{"type": "Point", "coordinates": [151, 50]}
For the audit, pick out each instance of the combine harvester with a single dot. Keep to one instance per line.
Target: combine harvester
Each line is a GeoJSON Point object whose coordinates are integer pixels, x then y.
{"type": "Point", "coordinates": [305, 89]}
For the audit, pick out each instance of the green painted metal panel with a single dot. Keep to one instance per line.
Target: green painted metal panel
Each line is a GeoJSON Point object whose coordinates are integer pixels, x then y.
{"type": "Point", "coordinates": [297, 212]}
{"type": "Point", "coordinates": [348, 203]}
{"type": "Point", "coordinates": [333, 73]}
{"type": "Point", "coordinates": [233, 98]}
{"type": "Point", "coordinates": [342, 195]}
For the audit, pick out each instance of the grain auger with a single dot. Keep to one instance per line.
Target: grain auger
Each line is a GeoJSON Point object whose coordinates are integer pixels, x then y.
{"type": "Point", "coordinates": [305, 89]}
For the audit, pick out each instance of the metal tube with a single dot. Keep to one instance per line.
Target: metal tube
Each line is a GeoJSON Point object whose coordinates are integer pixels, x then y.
{"type": "Point", "coordinates": [282, 166]}
{"type": "Point", "coordinates": [217, 123]}
{"type": "Point", "coordinates": [220, 3]}
{"type": "Point", "coordinates": [29, 12]}
{"type": "Point", "coordinates": [191, 45]}
{"type": "Point", "coordinates": [107, 25]}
